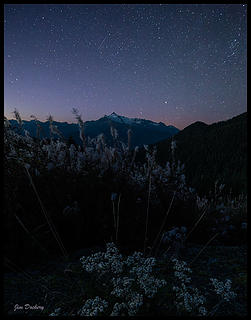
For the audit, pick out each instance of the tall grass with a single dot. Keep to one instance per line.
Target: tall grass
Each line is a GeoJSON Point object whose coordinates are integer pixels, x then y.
{"type": "Point", "coordinates": [101, 160]}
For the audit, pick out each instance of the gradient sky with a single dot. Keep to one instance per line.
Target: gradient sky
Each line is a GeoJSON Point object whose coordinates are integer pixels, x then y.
{"type": "Point", "coordinates": [172, 63]}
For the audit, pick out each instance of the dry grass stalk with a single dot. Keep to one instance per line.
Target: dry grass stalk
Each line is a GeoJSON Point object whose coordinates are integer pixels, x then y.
{"type": "Point", "coordinates": [50, 223]}
{"type": "Point", "coordinates": [114, 214]}
{"type": "Point", "coordinates": [210, 240]}
{"type": "Point", "coordinates": [195, 225]}
{"type": "Point", "coordinates": [163, 224]}
{"type": "Point", "coordinates": [147, 211]}
{"type": "Point", "coordinates": [81, 127]}
{"type": "Point", "coordinates": [32, 236]}
{"type": "Point", "coordinates": [117, 224]}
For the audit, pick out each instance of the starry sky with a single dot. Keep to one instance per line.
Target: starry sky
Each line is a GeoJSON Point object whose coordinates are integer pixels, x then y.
{"type": "Point", "coordinates": [171, 63]}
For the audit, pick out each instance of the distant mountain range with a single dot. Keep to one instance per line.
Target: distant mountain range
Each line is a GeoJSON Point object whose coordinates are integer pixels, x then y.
{"type": "Point", "coordinates": [211, 152]}
{"type": "Point", "coordinates": [143, 131]}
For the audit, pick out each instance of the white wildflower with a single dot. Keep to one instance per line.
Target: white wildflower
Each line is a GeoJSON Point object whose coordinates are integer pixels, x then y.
{"type": "Point", "coordinates": [223, 289]}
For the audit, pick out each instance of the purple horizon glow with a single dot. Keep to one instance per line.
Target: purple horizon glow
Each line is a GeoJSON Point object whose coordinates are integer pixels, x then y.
{"type": "Point", "coordinates": [171, 63]}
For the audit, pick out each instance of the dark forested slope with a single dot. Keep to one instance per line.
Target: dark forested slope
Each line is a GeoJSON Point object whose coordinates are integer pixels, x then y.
{"type": "Point", "coordinates": [211, 152]}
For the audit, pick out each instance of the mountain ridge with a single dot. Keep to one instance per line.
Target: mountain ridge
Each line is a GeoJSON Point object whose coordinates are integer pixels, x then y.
{"type": "Point", "coordinates": [143, 131]}
{"type": "Point", "coordinates": [211, 152]}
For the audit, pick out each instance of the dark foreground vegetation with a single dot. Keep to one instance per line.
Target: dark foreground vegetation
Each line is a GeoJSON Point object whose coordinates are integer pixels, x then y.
{"type": "Point", "coordinates": [151, 245]}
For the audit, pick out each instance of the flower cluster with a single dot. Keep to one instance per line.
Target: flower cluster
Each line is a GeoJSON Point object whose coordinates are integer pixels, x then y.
{"type": "Point", "coordinates": [128, 278]}
{"type": "Point", "coordinates": [223, 290]}
{"type": "Point", "coordinates": [188, 298]}
{"type": "Point", "coordinates": [55, 313]}
{"type": "Point", "coordinates": [201, 202]}
{"type": "Point", "coordinates": [118, 308]}
{"type": "Point", "coordinates": [93, 307]}
{"type": "Point", "coordinates": [103, 262]}
{"type": "Point", "coordinates": [141, 269]}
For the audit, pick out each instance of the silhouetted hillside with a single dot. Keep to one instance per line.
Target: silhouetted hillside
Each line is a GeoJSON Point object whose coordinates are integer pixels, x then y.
{"type": "Point", "coordinates": [211, 152]}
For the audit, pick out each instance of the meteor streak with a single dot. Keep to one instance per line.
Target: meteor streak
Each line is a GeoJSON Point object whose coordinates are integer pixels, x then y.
{"type": "Point", "coordinates": [102, 42]}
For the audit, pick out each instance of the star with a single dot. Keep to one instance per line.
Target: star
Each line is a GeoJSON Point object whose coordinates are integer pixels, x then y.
{"type": "Point", "coordinates": [127, 57]}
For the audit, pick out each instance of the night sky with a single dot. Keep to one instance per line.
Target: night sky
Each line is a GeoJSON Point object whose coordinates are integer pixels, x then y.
{"type": "Point", "coordinates": [172, 63]}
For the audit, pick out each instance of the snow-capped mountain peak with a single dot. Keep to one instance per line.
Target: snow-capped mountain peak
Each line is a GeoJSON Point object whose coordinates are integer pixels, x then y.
{"type": "Point", "coordinates": [125, 120]}
{"type": "Point", "coordinates": [121, 119]}
{"type": "Point", "coordinates": [143, 131]}
{"type": "Point", "coordinates": [113, 115]}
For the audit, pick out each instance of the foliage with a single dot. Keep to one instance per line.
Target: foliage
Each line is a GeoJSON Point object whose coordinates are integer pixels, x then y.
{"type": "Point", "coordinates": [126, 286]}
{"type": "Point", "coordinates": [95, 192]}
